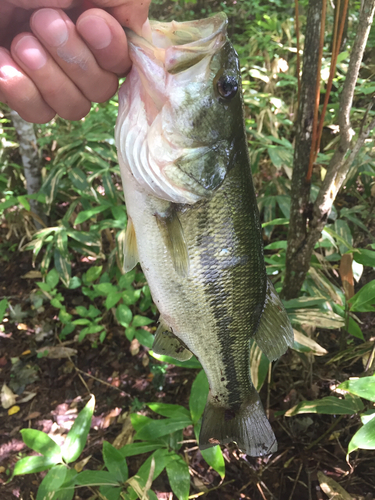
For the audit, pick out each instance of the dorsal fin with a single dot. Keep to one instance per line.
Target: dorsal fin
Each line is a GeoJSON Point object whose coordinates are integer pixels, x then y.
{"type": "Point", "coordinates": [275, 333]}
{"type": "Point", "coordinates": [130, 247]}
{"type": "Point", "coordinates": [167, 344]}
{"type": "Point", "coordinates": [174, 240]}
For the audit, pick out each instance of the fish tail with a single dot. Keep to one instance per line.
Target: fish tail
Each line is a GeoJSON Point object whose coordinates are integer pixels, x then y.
{"type": "Point", "coordinates": [248, 427]}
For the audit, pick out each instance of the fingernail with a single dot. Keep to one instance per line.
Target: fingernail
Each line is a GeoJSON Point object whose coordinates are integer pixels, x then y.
{"type": "Point", "coordinates": [7, 69]}
{"type": "Point", "coordinates": [31, 53]}
{"type": "Point", "coordinates": [95, 31]}
{"type": "Point", "coordinates": [50, 26]}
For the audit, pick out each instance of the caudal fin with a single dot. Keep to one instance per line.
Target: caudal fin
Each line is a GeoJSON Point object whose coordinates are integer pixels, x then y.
{"type": "Point", "coordinates": [248, 427]}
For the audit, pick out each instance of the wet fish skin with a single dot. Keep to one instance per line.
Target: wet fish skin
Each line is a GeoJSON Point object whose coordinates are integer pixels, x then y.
{"type": "Point", "coordinates": [197, 231]}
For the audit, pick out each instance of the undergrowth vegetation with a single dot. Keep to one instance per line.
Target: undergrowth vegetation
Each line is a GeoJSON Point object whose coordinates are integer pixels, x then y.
{"type": "Point", "coordinates": [77, 261]}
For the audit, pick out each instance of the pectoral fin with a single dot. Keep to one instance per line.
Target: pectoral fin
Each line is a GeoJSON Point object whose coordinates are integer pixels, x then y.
{"type": "Point", "coordinates": [130, 251]}
{"type": "Point", "coordinates": [275, 333]}
{"type": "Point", "coordinates": [174, 239]}
{"type": "Point", "coordinates": [167, 344]}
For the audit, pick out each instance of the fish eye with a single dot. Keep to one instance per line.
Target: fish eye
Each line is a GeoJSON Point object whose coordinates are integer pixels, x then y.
{"type": "Point", "coordinates": [227, 86]}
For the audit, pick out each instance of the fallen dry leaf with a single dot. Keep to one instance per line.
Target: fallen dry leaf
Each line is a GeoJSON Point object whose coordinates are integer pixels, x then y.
{"type": "Point", "coordinates": [332, 489]}
{"type": "Point", "coordinates": [22, 326]}
{"type": "Point", "coordinates": [31, 416]}
{"type": "Point", "coordinates": [346, 275]}
{"type": "Point", "coordinates": [27, 397]}
{"type": "Point", "coordinates": [126, 434]}
{"type": "Point", "coordinates": [80, 465]}
{"type": "Point", "coordinates": [57, 352]}
{"type": "Point", "coordinates": [13, 410]}
{"type": "Point", "coordinates": [32, 275]}
{"type": "Point", "coordinates": [8, 398]}
{"type": "Point", "coordinates": [134, 347]}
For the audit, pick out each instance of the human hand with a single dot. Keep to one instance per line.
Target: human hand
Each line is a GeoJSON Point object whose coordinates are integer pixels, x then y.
{"type": "Point", "coordinates": [49, 64]}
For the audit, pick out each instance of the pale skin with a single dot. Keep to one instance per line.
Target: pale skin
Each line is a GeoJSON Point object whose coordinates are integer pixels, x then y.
{"type": "Point", "coordinates": [59, 56]}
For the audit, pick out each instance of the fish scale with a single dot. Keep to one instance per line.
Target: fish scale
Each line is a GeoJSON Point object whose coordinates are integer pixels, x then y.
{"type": "Point", "coordinates": [202, 254]}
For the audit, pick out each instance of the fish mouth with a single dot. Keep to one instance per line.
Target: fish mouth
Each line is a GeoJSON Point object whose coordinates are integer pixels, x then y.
{"type": "Point", "coordinates": [178, 46]}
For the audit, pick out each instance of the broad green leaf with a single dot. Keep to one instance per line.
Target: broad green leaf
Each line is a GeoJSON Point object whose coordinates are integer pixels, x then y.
{"type": "Point", "coordinates": [31, 465]}
{"type": "Point", "coordinates": [329, 405]}
{"type": "Point", "coordinates": [198, 396]}
{"type": "Point", "coordinates": [110, 492]}
{"type": "Point", "coordinates": [112, 299]}
{"type": "Point", "coordinates": [141, 321]}
{"type": "Point", "coordinates": [78, 179]}
{"type": "Point", "coordinates": [132, 449]}
{"type": "Point", "coordinates": [52, 279]}
{"type": "Point", "coordinates": [354, 329]}
{"type": "Point", "coordinates": [316, 317]}
{"type": "Point", "coordinates": [62, 243]}
{"type": "Point", "coordinates": [367, 416]}
{"type": "Point", "coordinates": [144, 337]}
{"type": "Point", "coordinates": [24, 202]}
{"type": "Point", "coordinates": [115, 462]}
{"type": "Point", "coordinates": [158, 428]}
{"type": "Point", "coordinates": [127, 279]}
{"type": "Point", "coordinates": [276, 222]}
{"type": "Point", "coordinates": [214, 458]}
{"type": "Point", "coordinates": [302, 302]}
{"type": "Point", "coordinates": [305, 344]}
{"type": "Point", "coordinates": [364, 300]}
{"type": "Point", "coordinates": [259, 365]}
{"type": "Point", "coordinates": [3, 308]}
{"type": "Point", "coordinates": [191, 363]}
{"type": "Point", "coordinates": [63, 267]}
{"type": "Point", "coordinates": [343, 231]}
{"type": "Point", "coordinates": [124, 315]}
{"type": "Point", "coordinates": [77, 436]}
{"type": "Point", "coordinates": [138, 421]}
{"type": "Point", "coordinates": [51, 483]}
{"type": "Point", "coordinates": [364, 438]}
{"type": "Point", "coordinates": [105, 288]}
{"type": "Point", "coordinates": [179, 478]}
{"type": "Point", "coordinates": [169, 410]}
{"type": "Point", "coordinates": [87, 214]}
{"type": "Point", "coordinates": [41, 443]}
{"type": "Point", "coordinates": [96, 478]}
{"type": "Point", "coordinates": [363, 387]}
{"type": "Point", "coordinates": [364, 257]}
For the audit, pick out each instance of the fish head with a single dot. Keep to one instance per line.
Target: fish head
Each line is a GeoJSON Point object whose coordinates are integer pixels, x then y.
{"type": "Point", "coordinates": [182, 105]}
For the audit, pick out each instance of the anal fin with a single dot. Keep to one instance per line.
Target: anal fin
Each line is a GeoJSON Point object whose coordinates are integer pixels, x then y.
{"type": "Point", "coordinates": [173, 236]}
{"type": "Point", "coordinates": [248, 427]}
{"type": "Point", "coordinates": [130, 250]}
{"type": "Point", "coordinates": [275, 333]}
{"type": "Point", "coordinates": [167, 344]}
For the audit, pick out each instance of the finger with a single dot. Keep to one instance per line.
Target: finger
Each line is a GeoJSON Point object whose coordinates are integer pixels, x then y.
{"type": "Point", "coordinates": [57, 90]}
{"type": "Point", "coordinates": [106, 39]}
{"type": "Point", "coordinates": [130, 13]}
{"type": "Point", "coordinates": [59, 36]}
{"type": "Point", "coordinates": [36, 4]}
{"type": "Point", "coordinates": [20, 93]}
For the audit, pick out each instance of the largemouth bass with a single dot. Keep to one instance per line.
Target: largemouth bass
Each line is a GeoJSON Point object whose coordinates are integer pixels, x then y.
{"type": "Point", "coordinates": [193, 221]}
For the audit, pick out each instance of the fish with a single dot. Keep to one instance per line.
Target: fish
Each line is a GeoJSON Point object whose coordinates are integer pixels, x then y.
{"type": "Point", "coordinates": [193, 222]}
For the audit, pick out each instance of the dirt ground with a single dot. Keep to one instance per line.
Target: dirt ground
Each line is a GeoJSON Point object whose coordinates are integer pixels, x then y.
{"type": "Point", "coordinates": [122, 381]}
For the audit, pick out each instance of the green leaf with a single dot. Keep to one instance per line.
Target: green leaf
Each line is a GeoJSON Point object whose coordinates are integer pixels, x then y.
{"type": "Point", "coordinates": [31, 465]}
{"type": "Point", "coordinates": [364, 300]}
{"type": "Point", "coordinates": [363, 387]}
{"type": "Point", "coordinates": [259, 365]}
{"type": "Point", "coordinates": [124, 315]}
{"type": "Point", "coordinates": [179, 478]}
{"type": "Point", "coordinates": [78, 179]}
{"type": "Point", "coordinates": [96, 478]}
{"type": "Point", "coordinates": [305, 344]}
{"type": "Point", "coordinates": [354, 329]}
{"type": "Point", "coordinates": [41, 443]}
{"type": "Point", "coordinates": [3, 308]}
{"type": "Point", "coordinates": [328, 406]}
{"type": "Point", "coordinates": [77, 436]}
{"type": "Point", "coordinates": [105, 288]}
{"type": "Point", "coordinates": [87, 214]}
{"type": "Point", "coordinates": [343, 231]}
{"type": "Point", "coordinates": [50, 485]}
{"type": "Point", "coordinates": [169, 410]}
{"type": "Point", "coordinates": [62, 243]}
{"type": "Point", "coordinates": [364, 257]}
{"type": "Point", "coordinates": [112, 299]}
{"type": "Point", "coordinates": [24, 202]}
{"type": "Point", "coordinates": [158, 428]}
{"type": "Point", "coordinates": [191, 363]}
{"type": "Point", "coordinates": [93, 274]}
{"type": "Point", "coordinates": [144, 337]}
{"type": "Point", "coordinates": [214, 458]}
{"type": "Point", "coordinates": [75, 282]}
{"type": "Point", "coordinates": [364, 438]}
{"type": "Point", "coordinates": [52, 279]}
{"type": "Point", "coordinates": [115, 462]}
{"type": "Point", "coordinates": [142, 320]}
{"type": "Point", "coordinates": [198, 396]}
{"type": "Point", "coordinates": [63, 267]}
{"type": "Point", "coordinates": [129, 450]}
{"type": "Point", "coordinates": [110, 492]}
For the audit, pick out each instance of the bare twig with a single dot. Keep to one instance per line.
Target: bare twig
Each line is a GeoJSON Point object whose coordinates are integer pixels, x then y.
{"type": "Point", "coordinates": [296, 481]}
{"type": "Point", "coordinates": [298, 51]}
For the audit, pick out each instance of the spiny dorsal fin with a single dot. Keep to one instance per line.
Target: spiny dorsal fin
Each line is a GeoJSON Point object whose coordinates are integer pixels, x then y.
{"type": "Point", "coordinates": [130, 248]}
{"type": "Point", "coordinates": [174, 239]}
{"type": "Point", "coordinates": [275, 333]}
{"type": "Point", "coordinates": [166, 343]}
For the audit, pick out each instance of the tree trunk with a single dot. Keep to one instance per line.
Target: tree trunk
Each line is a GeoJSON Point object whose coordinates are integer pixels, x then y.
{"type": "Point", "coordinates": [30, 161]}
{"type": "Point", "coordinates": [302, 239]}
{"type": "Point", "coordinates": [296, 268]}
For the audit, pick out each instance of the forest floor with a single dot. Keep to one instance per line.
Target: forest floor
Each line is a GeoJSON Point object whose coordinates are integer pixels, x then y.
{"type": "Point", "coordinates": [120, 377]}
